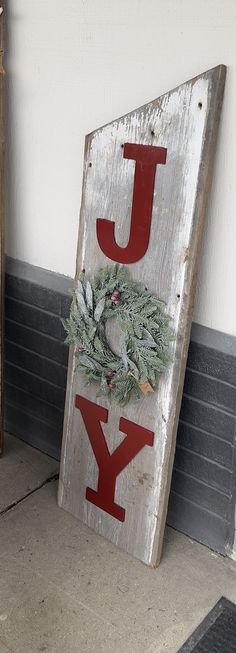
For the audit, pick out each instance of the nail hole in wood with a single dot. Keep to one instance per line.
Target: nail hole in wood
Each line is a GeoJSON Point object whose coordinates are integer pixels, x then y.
{"type": "Point", "coordinates": [152, 132]}
{"type": "Point", "coordinates": [178, 296]}
{"type": "Point", "coordinates": [90, 165]}
{"type": "Point", "coordinates": [200, 105]}
{"type": "Point", "coordinates": [122, 144]}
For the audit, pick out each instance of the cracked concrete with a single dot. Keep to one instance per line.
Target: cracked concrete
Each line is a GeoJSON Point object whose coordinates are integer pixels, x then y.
{"type": "Point", "coordinates": [64, 589]}
{"type": "Point", "coordinates": [22, 471]}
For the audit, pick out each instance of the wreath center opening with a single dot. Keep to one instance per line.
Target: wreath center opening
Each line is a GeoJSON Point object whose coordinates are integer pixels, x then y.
{"type": "Point", "coordinates": [115, 336]}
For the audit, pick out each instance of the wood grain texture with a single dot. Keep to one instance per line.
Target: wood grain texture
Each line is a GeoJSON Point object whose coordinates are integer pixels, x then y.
{"type": "Point", "coordinates": [185, 121]}
{"type": "Point", "coordinates": [2, 221]}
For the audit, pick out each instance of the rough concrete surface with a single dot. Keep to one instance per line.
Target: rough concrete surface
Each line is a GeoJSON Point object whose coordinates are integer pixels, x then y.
{"type": "Point", "coordinates": [64, 589]}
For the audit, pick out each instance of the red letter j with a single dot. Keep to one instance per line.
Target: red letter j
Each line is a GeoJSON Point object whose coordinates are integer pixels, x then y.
{"type": "Point", "coordinates": [147, 157]}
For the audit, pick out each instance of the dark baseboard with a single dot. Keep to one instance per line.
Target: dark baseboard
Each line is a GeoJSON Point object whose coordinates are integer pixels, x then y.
{"type": "Point", "coordinates": [202, 498]}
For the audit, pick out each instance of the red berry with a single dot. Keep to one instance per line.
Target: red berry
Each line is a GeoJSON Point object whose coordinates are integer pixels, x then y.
{"type": "Point", "coordinates": [109, 373]}
{"type": "Point", "coordinates": [113, 298]}
{"type": "Point", "coordinates": [117, 302]}
{"type": "Point", "coordinates": [111, 386]}
{"type": "Point", "coordinates": [79, 349]}
{"type": "Point", "coordinates": [116, 293]}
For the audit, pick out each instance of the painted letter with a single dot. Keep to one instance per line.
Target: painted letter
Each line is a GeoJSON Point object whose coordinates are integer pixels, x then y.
{"type": "Point", "coordinates": [147, 157]}
{"type": "Point", "coordinates": [110, 465]}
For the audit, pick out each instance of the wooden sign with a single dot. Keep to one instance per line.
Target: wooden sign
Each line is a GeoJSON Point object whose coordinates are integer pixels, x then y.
{"type": "Point", "coordinates": [146, 180]}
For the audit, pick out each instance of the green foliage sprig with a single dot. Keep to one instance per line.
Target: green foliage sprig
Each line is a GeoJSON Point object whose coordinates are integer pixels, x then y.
{"type": "Point", "coordinates": [145, 325]}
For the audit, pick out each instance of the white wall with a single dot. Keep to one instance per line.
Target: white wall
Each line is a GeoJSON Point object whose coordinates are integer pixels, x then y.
{"type": "Point", "coordinates": [74, 65]}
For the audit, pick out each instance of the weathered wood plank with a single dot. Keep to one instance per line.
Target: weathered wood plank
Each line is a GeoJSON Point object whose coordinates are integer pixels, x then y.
{"type": "Point", "coordinates": [185, 121]}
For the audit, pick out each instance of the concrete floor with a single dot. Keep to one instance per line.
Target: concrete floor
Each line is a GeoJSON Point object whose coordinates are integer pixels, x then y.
{"type": "Point", "coordinates": [64, 589]}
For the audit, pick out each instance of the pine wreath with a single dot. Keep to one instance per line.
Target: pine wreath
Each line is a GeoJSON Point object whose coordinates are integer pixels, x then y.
{"type": "Point", "coordinates": [143, 321]}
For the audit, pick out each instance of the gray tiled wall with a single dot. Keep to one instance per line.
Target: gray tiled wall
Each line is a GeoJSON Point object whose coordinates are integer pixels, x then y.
{"type": "Point", "coordinates": [202, 495]}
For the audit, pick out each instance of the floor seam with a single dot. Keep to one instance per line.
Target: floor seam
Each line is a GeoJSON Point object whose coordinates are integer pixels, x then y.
{"type": "Point", "coordinates": [50, 479]}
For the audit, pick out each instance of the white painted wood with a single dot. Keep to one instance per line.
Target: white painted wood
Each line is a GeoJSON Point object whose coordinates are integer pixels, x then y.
{"type": "Point", "coordinates": [185, 122]}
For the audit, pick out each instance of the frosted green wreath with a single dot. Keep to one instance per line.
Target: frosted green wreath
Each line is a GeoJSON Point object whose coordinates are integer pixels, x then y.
{"type": "Point", "coordinates": [143, 321]}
